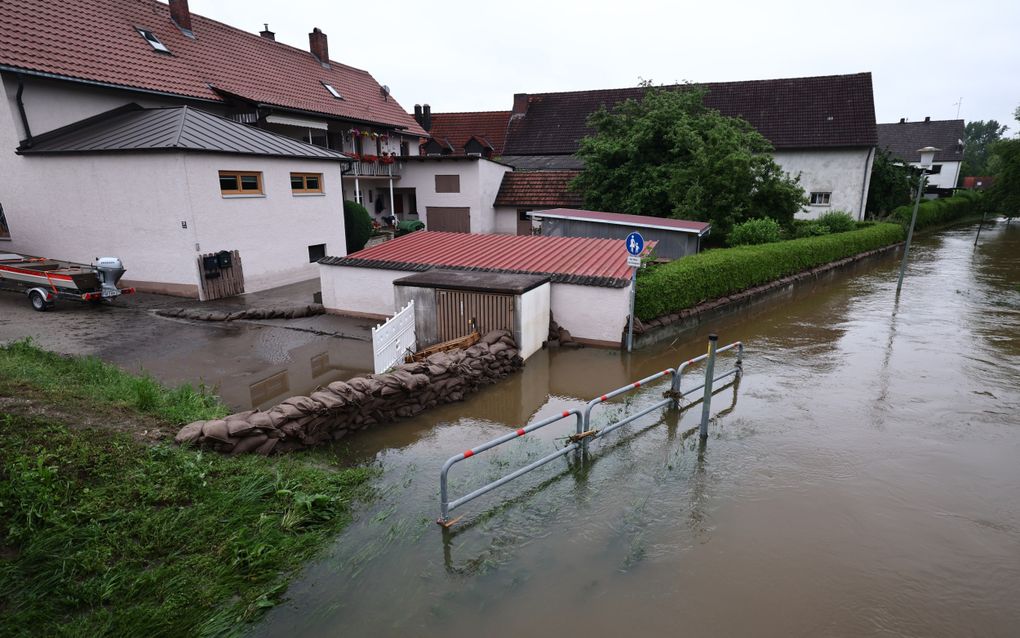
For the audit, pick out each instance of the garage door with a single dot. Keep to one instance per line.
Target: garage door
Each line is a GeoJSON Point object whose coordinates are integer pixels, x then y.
{"type": "Point", "coordinates": [458, 312]}
{"type": "Point", "coordinates": [451, 220]}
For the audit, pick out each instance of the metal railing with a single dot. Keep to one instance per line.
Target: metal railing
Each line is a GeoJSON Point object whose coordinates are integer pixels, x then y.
{"type": "Point", "coordinates": [376, 169]}
{"type": "Point", "coordinates": [583, 426]}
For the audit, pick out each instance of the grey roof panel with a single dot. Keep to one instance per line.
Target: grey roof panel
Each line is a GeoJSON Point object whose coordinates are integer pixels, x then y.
{"type": "Point", "coordinates": [181, 128]}
{"type": "Point", "coordinates": [903, 139]}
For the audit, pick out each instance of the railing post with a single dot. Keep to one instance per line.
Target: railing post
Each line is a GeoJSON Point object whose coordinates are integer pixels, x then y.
{"type": "Point", "coordinates": [706, 404]}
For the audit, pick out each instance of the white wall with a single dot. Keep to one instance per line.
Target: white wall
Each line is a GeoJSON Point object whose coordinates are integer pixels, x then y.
{"type": "Point", "coordinates": [591, 312]}
{"type": "Point", "coordinates": [846, 173]}
{"type": "Point", "coordinates": [359, 291]}
{"type": "Point", "coordinates": [506, 220]}
{"type": "Point", "coordinates": [479, 183]}
{"type": "Point", "coordinates": [947, 178]}
{"type": "Point", "coordinates": [535, 306]}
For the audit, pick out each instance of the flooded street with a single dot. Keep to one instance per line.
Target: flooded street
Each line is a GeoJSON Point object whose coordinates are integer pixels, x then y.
{"type": "Point", "coordinates": [866, 481]}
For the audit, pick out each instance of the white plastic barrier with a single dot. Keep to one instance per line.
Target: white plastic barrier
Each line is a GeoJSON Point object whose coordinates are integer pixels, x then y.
{"type": "Point", "coordinates": [394, 339]}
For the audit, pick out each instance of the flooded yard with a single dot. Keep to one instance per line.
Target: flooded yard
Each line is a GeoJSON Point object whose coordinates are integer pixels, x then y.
{"type": "Point", "coordinates": [864, 480]}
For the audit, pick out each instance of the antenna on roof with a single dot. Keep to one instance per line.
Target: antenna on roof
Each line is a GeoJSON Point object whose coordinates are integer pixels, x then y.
{"type": "Point", "coordinates": [385, 90]}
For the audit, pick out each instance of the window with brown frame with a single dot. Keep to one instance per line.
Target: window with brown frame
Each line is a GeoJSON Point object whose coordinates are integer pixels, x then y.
{"type": "Point", "coordinates": [447, 183]}
{"type": "Point", "coordinates": [306, 182]}
{"type": "Point", "coordinates": [240, 183]}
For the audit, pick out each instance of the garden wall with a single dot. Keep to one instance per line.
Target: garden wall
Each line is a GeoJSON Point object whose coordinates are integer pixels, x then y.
{"type": "Point", "coordinates": [342, 407]}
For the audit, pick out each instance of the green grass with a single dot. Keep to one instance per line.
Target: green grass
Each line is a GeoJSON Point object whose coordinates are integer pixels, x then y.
{"type": "Point", "coordinates": [81, 380]}
{"type": "Point", "coordinates": [101, 535]}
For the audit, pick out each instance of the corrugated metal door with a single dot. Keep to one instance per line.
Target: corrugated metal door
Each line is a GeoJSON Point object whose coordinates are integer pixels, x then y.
{"type": "Point", "coordinates": [448, 219]}
{"type": "Point", "coordinates": [457, 310]}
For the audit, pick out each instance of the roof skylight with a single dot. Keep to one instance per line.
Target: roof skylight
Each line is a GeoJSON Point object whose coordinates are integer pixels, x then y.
{"type": "Point", "coordinates": [332, 91]}
{"type": "Point", "coordinates": [151, 38]}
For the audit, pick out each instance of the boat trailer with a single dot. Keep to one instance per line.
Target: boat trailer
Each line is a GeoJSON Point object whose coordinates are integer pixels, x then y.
{"type": "Point", "coordinates": [46, 280]}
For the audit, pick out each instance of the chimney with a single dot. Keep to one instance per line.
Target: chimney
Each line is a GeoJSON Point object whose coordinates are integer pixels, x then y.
{"type": "Point", "coordinates": [426, 117]}
{"type": "Point", "coordinates": [417, 113]}
{"type": "Point", "coordinates": [520, 105]}
{"type": "Point", "coordinates": [927, 118]}
{"type": "Point", "coordinates": [903, 120]}
{"type": "Point", "coordinates": [180, 14]}
{"type": "Point", "coordinates": [318, 46]}
{"type": "Point", "coordinates": [266, 33]}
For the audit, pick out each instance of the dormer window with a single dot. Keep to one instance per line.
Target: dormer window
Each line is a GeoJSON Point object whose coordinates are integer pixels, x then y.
{"type": "Point", "coordinates": [151, 38]}
{"type": "Point", "coordinates": [332, 91]}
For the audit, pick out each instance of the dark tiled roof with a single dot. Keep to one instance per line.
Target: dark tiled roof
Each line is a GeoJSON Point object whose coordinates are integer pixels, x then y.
{"type": "Point", "coordinates": [620, 219]}
{"type": "Point", "coordinates": [903, 139]}
{"type": "Point", "coordinates": [179, 128]}
{"type": "Point", "coordinates": [537, 188]}
{"type": "Point", "coordinates": [573, 260]}
{"type": "Point", "coordinates": [97, 41]}
{"type": "Point", "coordinates": [812, 112]}
{"type": "Point", "coordinates": [543, 162]}
{"type": "Point", "coordinates": [458, 128]}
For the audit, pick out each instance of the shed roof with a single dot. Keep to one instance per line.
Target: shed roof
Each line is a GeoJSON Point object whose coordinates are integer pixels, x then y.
{"type": "Point", "coordinates": [500, 282]}
{"type": "Point", "coordinates": [98, 42]}
{"type": "Point", "coordinates": [537, 188]}
{"type": "Point", "coordinates": [904, 139]}
{"type": "Point", "coordinates": [181, 128]}
{"type": "Point", "coordinates": [620, 219]}
{"type": "Point", "coordinates": [573, 260]}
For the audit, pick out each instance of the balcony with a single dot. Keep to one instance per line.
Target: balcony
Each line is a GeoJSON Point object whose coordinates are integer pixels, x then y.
{"type": "Point", "coordinates": [375, 169]}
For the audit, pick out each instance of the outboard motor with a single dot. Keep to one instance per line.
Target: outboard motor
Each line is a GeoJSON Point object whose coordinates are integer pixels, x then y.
{"type": "Point", "coordinates": [110, 270]}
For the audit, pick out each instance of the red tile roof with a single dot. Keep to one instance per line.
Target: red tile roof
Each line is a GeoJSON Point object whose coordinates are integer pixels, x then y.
{"type": "Point", "coordinates": [575, 260]}
{"type": "Point", "coordinates": [96, 40]}
{"type": "Point", "coordinates": [458, 128]}
{"type": "Point", "coordinates": [811, 112]}
{"type": "Point", "coordinates": [537, 188]}
{"type": "Point", "coordinates": [639, 221]}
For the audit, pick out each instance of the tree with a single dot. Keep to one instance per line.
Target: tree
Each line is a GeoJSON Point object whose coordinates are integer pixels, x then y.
{"type": "Point", "coordinates": [1006, 191]}
{"type": "Point", "coordinates": [668, 155]}
{"type": "Point", "coordinates": [893, 184]}
{"type": "Point", "coordinates": [357, 226]}
{"type": "Point", "coordinates": [980, 136]}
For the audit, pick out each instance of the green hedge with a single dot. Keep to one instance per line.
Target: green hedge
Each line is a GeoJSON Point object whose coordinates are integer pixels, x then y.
{"type": "Point", "coordinates": [933, 212]}
{"type": "Point", "coordinates": [716, 273]}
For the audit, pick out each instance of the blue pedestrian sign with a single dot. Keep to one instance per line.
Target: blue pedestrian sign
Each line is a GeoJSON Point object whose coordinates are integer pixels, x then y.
{"type": "Point", "coordinates": [635, 244]}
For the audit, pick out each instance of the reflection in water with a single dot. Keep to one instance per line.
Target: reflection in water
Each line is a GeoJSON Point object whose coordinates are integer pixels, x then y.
{"type": "Point", "coordinates": [866, 482]}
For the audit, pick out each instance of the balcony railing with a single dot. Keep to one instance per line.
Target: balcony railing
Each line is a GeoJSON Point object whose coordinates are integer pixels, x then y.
{"type": "Point", "coordinates": [375, 169]}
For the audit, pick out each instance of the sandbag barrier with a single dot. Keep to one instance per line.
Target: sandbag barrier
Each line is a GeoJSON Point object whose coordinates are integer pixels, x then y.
{"type": "Point", "coordinates": [332, 412]}
{"type": "Point", "coordinates": [203, 314]}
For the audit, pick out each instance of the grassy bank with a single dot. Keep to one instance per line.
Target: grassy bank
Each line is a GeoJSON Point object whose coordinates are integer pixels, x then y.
{"type": "Point", "coordinates": [106, 535]}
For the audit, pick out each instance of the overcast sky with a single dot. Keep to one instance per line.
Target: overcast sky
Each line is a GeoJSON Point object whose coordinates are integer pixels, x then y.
{"type": "Point", "coordinates": [474, 55]}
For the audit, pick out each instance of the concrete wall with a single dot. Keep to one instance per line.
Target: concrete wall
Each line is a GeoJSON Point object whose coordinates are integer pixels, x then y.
{"type": "Point", "coordinates": [479, 183]}
{"type": "Point", "coordinates": [533, 316]}
{"type": "Point", "coordinates": [846, 173]}
{"type": "Point", "coordinates": [671, 244]}
{"type": "Point", "coordinates": [505, 220]}
{"type": "Point", "coordinates": [591, 313]}
{"type": "Point", "coordinates": [947, 178]}
{"type": "Point", "coordinates": [359, 291]}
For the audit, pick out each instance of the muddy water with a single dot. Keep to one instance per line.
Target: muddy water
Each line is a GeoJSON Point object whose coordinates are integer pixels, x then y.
{"type": "Point", "coordinates": [864, 479]}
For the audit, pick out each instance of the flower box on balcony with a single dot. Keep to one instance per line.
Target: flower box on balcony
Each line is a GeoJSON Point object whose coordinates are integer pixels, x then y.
{"type": "Point", "coordinates": [369, 159]}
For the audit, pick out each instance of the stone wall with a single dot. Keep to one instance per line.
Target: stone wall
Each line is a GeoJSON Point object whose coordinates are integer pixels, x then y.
{"type": "Point", "coordinates": [332, 412]}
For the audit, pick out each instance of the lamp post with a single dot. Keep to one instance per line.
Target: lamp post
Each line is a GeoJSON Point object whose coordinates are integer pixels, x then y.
{"type": "Point", "coordinates": [927, 155]}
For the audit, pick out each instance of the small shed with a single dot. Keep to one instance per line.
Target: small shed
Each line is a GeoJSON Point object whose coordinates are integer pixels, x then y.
{"type": "Point", "coordinates": [675, 237]}
{"type": "Point", "coordinates": [450, 304]}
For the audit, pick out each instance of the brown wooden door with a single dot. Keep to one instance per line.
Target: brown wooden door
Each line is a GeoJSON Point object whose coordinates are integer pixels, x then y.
{"type": "Point", "coordinates": [458, 310]}
{"type": "Point", "coordinates": [219, 279]}
{"type": "Point", "coordinates": [448, 219]}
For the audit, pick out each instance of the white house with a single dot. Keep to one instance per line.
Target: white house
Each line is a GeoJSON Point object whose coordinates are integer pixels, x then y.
{"type": "Point", "coordinates": [323, 130]}
{"type": "Point", "coordinates": [904, 139]}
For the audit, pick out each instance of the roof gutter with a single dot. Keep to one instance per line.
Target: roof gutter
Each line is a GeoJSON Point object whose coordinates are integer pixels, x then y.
{"type": "Point", "coordinates": [27, 142]}
{"type": "Point", "coordinates": [107, 85]}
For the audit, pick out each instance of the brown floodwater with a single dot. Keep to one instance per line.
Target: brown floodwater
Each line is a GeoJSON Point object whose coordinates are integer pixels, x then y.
{"type": "Point", "coordinates": [863, 479]}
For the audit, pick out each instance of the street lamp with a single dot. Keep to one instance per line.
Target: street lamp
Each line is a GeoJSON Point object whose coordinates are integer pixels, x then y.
{"type": "Point", "coordinates": [927, 155]}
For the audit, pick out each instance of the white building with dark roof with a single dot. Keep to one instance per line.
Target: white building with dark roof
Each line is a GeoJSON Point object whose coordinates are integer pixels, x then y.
{"type": "Point", "coordinates": [904, 140]}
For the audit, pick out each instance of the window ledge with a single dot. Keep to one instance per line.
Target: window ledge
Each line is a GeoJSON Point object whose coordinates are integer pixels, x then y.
{"type": "Point", "coordinates": [820, 205]}
{"type": "Point", "coordinates": [252, 196]}
{"type": "Point", "coordinates": [2, 238]}
{"type": "Point", "coordinates": [308, 194]}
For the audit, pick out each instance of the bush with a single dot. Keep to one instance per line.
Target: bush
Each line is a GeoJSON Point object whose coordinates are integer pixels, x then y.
{"type": "Point", "coordinates": [715, 273]}
{"type": "Point", "coordinates": [357, 226]}
{"type": "Point", "coordinates": [837, 221]}
{"type": "Point", "coordinates": [763, 230]}
{"type": "Point", "coordinates": [933, 212]}
{"type": "Point", "coordinates": [809, 228]}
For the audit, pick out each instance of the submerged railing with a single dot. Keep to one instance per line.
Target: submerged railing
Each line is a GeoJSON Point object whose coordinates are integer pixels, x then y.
{"type": "Point", "coordinates": [583, 428]}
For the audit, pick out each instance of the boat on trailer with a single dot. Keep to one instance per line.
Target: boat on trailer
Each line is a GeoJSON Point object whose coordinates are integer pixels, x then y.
{"type": "Point", "coordinates": [46, 280]}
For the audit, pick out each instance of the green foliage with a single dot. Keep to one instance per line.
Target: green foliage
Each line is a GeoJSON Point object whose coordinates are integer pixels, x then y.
{"type": "Point", "coordinates": [357, 226]}
{"type": "Point", "coordinates": [837, 221]}
{"type": "Point", "coordinates": [763, 230]}
{"type": "Point", "coordinates": [668, 155]}
{"type": "Point", "coordinates": [892, 184]}
{"type": "Point", "coordinates": [107, 536]}
{"type": "Point", "coordinates": [979, 138]}
{"type": "Point", "coordinates": [809, 228]}
{"type": "Point", "coordinates": [83, 380]}
{"type": "Point", "coordinates": [686, 282]}
{"type": "Point", "coordinates": [1006, 192]}
{"type": "Point", "coordinates": [933, 212]}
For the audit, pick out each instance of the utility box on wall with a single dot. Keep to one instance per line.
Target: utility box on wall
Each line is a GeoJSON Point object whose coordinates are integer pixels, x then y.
{"type": "Point", "coordinates": [450, 304]}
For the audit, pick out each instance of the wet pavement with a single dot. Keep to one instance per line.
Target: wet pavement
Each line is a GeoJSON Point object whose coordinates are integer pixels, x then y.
{"type": "Point", "coordinates": [248, 363]}
{"type": "Point", "coordinates": [863, 479]}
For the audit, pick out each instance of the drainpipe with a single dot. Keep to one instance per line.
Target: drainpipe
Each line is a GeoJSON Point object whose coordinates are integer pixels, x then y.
{"type": "Point", "coordinates": [389, 169]}
{"type": "Point", "coordinates": [21, 111]}
{"type": "Point", "coordinates": [866, 182]}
